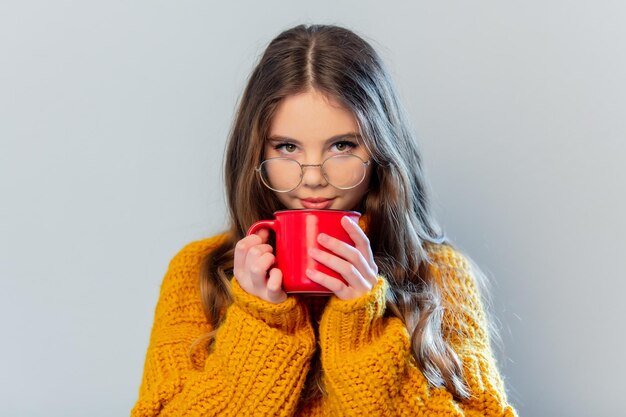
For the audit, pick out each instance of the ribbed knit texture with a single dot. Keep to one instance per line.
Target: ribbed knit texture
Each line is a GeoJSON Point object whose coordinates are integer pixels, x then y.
{"type": "Point", "coordinates": [262, 353]}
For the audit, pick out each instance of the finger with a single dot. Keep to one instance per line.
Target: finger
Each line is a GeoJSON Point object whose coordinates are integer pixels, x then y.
{"type": "Point", "coordinates": [242, 247]}
{"type": "Point", "coordinates": [258, 270]}
{"type": "Point", "coordinates": [351, 254]}
{"type": "Point", "coordinates": [361, 241]}
{"type": "Point", "coordinates": [344, 250]}
{"type": "Point", "coordinates": [253, 256]}
{"type": "Point", "coordinates": [340, 289]}
{"type": "Point", "coordinates": [257, 251]}
{"type": "Point", "coordinates": [241, 252]}
{"type": "Point", "coordinates": [263, 234]}
{"type": "Point", "coordinates": [274, 286]}
{"type": "Point", "coordinates": [344, 268]}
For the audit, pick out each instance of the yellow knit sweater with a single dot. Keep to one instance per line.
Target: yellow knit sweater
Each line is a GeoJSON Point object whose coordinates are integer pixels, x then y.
{"type": "Point", "coordinates": [262, 353]}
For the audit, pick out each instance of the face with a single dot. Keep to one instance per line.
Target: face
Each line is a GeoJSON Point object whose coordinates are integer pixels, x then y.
{"type": "Point", "coordinates": [310, 128]}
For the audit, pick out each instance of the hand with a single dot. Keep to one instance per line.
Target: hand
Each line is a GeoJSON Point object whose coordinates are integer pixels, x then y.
{"type": "Point", "coordinates": [355, 264]}
{"type": "Point", "coordinates": [253, 257]}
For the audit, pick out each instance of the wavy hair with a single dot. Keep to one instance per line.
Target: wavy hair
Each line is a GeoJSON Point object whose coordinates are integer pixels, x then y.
{"type": "Point", "coordinates": [340, 64]}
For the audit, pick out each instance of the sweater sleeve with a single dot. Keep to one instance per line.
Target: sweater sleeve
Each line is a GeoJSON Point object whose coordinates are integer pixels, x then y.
{"type": "Point", "coordinates": [257, 364]}
{"type": "Point", "coordinates": [369, 368]}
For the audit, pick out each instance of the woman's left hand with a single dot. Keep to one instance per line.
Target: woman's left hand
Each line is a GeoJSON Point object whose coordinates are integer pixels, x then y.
{"type": "Point", "coordinates": [355, 264]}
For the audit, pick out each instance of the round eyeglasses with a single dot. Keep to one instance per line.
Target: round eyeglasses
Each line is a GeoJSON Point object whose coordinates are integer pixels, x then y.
{"type": "Point", "coordinates": [285, 174]}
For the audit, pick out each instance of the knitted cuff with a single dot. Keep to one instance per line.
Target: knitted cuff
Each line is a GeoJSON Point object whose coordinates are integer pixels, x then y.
{"type": "Point", "coordinates": [350, 324]}
{"type": "Point", "coordinates": [287, 316]}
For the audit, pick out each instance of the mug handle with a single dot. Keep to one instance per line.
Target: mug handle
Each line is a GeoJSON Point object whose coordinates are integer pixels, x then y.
{"type": "Point", "coordinates": [261, 224]}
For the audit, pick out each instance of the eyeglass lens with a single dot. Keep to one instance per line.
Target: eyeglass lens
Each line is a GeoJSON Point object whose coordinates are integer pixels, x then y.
{"type": "Point", "coordinates": [341, 171]}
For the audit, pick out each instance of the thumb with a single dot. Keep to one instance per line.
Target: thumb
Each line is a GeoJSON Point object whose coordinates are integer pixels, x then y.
{"type": "Point", "coordinates": [274, 286]}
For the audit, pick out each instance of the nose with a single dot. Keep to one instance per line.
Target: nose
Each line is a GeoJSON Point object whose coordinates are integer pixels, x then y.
{"type": "Point", "coordinates": [313, 176]}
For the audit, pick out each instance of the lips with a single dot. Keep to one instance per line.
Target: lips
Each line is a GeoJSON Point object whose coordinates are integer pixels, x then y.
{"type": "Point", "coordinates": [317, 203]}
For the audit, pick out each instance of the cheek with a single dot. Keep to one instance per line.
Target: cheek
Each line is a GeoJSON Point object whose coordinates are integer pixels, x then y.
{"type": "Point", "coordinates": [362, 189]}
{"type": "Point", "coordinates": [361, 192]}
{"type": "Point", "coordinates": [354, 196]}
{"type": "Point", "coordinates": [285, 199]}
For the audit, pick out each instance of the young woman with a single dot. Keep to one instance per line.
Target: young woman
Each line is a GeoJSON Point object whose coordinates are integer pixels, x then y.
{"type": "Point", "coordinates": [407, 335]}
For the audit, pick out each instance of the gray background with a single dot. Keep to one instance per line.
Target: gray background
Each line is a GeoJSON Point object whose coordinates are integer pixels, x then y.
{"type": "Point", "coordinates": [113, 118]}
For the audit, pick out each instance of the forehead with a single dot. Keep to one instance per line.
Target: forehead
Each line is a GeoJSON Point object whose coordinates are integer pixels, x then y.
{"type": "Point", "coordinates": [312, 117]}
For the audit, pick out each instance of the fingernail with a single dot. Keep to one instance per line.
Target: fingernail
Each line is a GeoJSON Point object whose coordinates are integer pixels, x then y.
{"type": "Point", "coordinates": [313, 251]}
{"type": "Point", "coordinates": [323, 237]}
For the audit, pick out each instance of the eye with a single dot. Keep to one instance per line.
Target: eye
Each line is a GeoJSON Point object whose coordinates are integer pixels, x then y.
{"type": "Point", "coordinates": [288, 147]}
{"type": "Point", "coordinates": [345, 145]}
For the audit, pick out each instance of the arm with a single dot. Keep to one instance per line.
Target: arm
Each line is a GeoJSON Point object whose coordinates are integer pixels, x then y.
{"type": "Point", "coordinates": [369, 367]}
{"type": "Point", "coordinates": [257, 365]}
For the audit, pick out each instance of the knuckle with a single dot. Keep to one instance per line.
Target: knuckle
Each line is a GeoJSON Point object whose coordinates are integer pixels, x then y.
{"type": "Point", "coordinates": [353, 271]}
{"type": "Point", "coordinates": [254, 251]}
{"type": "Point", "coordinates": [335, 287]}
{"type": "Point", "coordinates": [240, 246]}
{"type": "Point", "coordinates": [362, 259]}
{"type": "Point", "coordinates": [268, 258]}
{"type": "Point", "coordinates": [328, 283]}
{"type": "Point", "coordinates": [246, 243]}
{"type": "Point", "coordinates": [256, 270]}
{"type": "Point", "coordinates": [355, 255]}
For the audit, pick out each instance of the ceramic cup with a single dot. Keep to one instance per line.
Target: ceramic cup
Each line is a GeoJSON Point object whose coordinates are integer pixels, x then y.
{"type": "Point", "coordinates": [296, 232]}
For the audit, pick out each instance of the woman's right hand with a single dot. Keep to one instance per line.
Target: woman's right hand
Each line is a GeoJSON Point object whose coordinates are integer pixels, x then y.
{"type": "Point", "coordinates": [253, 258]}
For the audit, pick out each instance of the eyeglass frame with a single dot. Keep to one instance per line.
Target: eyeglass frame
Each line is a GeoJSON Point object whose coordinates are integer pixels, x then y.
{"type": "Point", "coordinates": [302, 166]}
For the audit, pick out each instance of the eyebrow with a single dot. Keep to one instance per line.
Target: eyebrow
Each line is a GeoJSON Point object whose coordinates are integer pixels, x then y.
{"type": "Point", "coordinates": [351, 135]}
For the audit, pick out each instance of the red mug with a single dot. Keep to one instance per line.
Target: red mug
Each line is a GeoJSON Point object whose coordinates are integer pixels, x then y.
{"type": "Point", "coordinates": [296, 232]}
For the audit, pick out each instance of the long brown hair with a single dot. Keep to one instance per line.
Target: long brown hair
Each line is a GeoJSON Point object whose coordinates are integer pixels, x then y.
{"type": "Point", "coordinates": [342, 65]}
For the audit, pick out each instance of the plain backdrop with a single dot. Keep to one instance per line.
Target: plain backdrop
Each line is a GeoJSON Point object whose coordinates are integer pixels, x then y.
{"type": "Point", "coordinates": [113, 120]}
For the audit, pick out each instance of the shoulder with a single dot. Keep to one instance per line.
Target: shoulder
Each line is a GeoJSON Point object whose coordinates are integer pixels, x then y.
{"type": "Point", "coordinates": [445, 257]}
{"type": "Point", "coordinates": [193, 252]}
{"type": "Point", "coordinates": [453, 271]}
{"type": "Point", "coordinates": [186, 263]}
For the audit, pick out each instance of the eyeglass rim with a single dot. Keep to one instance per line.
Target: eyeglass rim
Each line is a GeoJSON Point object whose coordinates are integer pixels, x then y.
{"type": "Point", "coordinates": [258, 170]}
